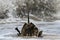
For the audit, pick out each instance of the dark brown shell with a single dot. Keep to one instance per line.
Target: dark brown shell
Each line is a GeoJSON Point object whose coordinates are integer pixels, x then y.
{"type": "Point", "coordinates": [29, 30]}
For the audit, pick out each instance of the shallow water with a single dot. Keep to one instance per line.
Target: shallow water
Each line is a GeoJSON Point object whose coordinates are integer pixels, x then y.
{"type": "Point", "coordinates": [50, 29]}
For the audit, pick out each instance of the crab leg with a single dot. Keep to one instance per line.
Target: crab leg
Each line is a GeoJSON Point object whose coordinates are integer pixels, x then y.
{"type": "Point", "coordinates": [17, 30]}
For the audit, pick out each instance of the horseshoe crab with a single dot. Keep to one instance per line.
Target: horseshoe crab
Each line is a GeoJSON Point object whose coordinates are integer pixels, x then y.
{"type": "Point", "coordinates": [29, 30]}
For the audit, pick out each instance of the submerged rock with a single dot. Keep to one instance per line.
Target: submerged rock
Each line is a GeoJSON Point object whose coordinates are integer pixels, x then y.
{"type": "Point", "coordinates": [29, 30]}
